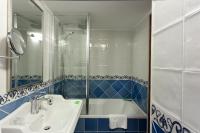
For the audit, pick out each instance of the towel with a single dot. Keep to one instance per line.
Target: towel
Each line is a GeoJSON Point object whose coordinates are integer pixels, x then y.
{"type": "Point", "coordinates": [117, 121]}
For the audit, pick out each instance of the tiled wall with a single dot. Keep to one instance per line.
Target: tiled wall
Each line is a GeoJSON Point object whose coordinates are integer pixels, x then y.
{"type": "Point", "coordinates": [21, 82]}
{"type": "Point", "coordinates": [74, 53]}
{"type": "Point", "coordinates": [156, 128]}
{"type": "Point", "coordinates": [140, 49]}
{"type": "Point", "coordinates": [24, 80]}
{"type": "Point", "coordinates": [110, 52]}
{"type": "Point", "coordinates": [101, 125]}
{"type": "Point", "coordinates": [108, 88]}
{"type": "Point", "coordinates": [57, 88]}
{"type": "Point", "coordinates": [175, 56]}
{"type": "Point", "coordinates": [140, 95]}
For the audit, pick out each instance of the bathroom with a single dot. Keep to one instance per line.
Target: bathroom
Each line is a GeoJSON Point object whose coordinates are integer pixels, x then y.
{"type": "Point", "coordinates": [99, 66]}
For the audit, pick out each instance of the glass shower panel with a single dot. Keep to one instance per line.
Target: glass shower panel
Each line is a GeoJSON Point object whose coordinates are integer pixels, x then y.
{"type": "Point", "coordinates": [73, 39]}
{"type": "Point", "coordinates": [57, 47]}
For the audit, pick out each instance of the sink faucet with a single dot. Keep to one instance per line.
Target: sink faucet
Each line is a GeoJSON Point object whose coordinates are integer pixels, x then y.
{"type": "Point", "coordinates": [36, 102]}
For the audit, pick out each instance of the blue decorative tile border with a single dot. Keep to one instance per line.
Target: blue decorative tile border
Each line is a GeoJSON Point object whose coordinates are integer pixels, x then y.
{"type": "Point", "coordinates": [107, 77]}
{"type": "Point", "coordinates": [22, 80]}
{"type": "Point", "coordinates": [95, 125]}
{"type": "Point", "coordinates": [15, 98]}
{"type": "Point", "coordinates": [110, 77]}
{"type": "Point", "coordinates": [167, 124]}
{"type": "Point", "coordinates": [23, 91]}
{"type": "Point", "coordinates": [26, 77]}
{"type": "Point", "coordinates": [13, 105]}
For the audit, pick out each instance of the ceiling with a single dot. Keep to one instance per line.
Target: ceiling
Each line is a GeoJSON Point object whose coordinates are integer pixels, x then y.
{"type": "Point", "coordinates": [27, 9]}
{"type": "Point", "coordinates": [104, 14]}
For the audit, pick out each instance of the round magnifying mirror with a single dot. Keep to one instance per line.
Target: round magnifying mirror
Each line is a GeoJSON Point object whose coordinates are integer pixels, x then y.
{"type": "Point", "coordinates": [16, 42]}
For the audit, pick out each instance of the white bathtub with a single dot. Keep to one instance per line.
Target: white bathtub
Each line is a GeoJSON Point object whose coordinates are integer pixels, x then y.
{"type": "Point", "coordinates": [101, 108]}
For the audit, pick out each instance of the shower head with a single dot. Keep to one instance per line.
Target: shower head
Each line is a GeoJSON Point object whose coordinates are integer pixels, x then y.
{"type": "Point", "coordinates": [68, 35]}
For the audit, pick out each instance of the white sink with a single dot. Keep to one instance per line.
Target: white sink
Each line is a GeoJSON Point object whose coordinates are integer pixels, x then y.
{"type": "Point", "coordinates": [61, 117]}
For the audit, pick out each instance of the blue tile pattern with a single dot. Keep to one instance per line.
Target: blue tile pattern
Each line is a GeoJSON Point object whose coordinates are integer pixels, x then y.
{"type": "Point", "coordinates": [91, 124]}
{"type": "Point", "coordinates": [98, 89]}
{"type": "Point", "coordinates": [3, 114]}
{"type": "Point", "coordinates": [104, 88]}
{"type": "Point", "coordinates": [94, 125]}
{"type": "Point", "coordinates": [110, 89]}
{"type": "Point", "coordinates": [12, 106]}
{"type": "Point", "coordinates": [74, 88]}
{"type": "Point", "coordinates": [21, 80]}
{"type": "Point", "coordinates": [58, 87]}
{"type": "Point", "coordinates": [156, 128]}
{"type": "Point", "coordinates": [140, 95]}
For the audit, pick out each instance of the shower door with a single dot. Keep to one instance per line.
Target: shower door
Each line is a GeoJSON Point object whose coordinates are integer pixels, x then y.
{"type": "Point", "coordinates": [74, 39]}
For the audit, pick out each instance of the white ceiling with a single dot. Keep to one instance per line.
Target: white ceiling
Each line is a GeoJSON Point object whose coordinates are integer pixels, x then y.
{"type": "Point", "coordinates": [27, 9]}
{"type": "Point", "coordinates": [104, 14]}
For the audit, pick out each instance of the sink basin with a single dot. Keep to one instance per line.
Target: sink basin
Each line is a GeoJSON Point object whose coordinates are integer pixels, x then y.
{"type": "Point", "coordinates": [61, 117]}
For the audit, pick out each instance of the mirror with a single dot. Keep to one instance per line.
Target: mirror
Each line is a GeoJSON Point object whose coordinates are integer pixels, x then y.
{"type": "Point", "coordinates": [26, 29]}
{"type": "Point", "coordinates": [16, 42]}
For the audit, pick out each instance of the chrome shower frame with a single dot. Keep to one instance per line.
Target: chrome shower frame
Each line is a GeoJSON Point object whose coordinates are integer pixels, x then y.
{"type": "Point", "coordinates": [87, 63]}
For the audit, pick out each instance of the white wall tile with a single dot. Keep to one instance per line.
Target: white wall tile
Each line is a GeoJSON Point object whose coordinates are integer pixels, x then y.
{"type": "Point", "coordinates": [110, 52]}
{"type": "Point", "coordinates": [166, 90]}
{"type": "Point", "coordinates": [191, 5]}
{"type": "Point", "coordinates": [166, 12]}
{"type": "Point", "coordinates": [140, 51]}
{"type": "Point", "coordinates": [75, 52]}
{"type": "Point", "coordinates": [192, 43]}
{"type": "Point", "coordinates": [182, 90]}
{"type": "Point", "coordinates": [191, 98]}
{"type": "Point", "coordinates": [167, 47]}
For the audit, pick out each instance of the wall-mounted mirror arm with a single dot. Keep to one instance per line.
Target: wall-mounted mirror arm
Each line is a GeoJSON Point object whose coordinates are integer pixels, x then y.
{"type": "Point", "coordinates": [7, 57]}
{"type": "Point", "coordinates": [16, 44]}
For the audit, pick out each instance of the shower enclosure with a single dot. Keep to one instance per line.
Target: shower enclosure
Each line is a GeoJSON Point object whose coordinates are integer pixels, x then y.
{"type": "Point", "coordinates": [102, 67]}
{"type": "Point", "coordinates": [71, 52]}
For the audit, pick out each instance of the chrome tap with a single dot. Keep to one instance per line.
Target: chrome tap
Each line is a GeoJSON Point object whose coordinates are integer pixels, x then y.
{"type": "Point", "coordinates": [49, 100]}
{"type": "Point", "coordinates": [34, 105]}
{"type": "Point", "coordinates": [36, 102]}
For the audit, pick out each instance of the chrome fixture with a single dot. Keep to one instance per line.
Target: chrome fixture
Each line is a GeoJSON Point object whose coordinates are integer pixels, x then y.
{"type": "Point", "coordinates": [16, 44]}
{"type": "Point", "coordinates": [68, 35]}
{"type": "Point", "coordinates": [88, 63]}
{"type": "Point", "coordinates": [36, 102]}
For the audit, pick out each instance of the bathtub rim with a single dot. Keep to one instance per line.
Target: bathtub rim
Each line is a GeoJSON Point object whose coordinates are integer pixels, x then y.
{"type": "Point", "coordinates": [107, 116]}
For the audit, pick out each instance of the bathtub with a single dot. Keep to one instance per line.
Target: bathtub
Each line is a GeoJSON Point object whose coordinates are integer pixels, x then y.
{"type": "Point", "coordinates": [98, 118]}
{"type": "Point", "coordinates": [101, 108]}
